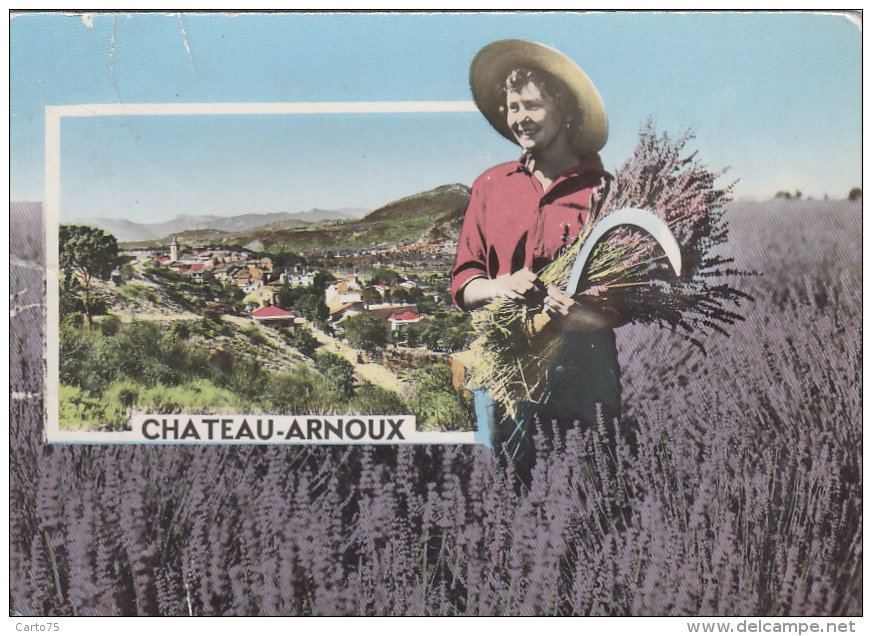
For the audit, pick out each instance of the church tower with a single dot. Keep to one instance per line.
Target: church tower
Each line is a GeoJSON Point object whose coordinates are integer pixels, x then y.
{"type": "Point", "coordinates": [174, 250]}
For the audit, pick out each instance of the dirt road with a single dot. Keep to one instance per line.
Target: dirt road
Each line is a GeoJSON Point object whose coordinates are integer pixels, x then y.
{"type": "Point", "coordinates": [376, 373]}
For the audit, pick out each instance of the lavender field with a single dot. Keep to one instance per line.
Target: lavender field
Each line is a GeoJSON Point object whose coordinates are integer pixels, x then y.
{"type": "Point", "coordinates": [732, 486]}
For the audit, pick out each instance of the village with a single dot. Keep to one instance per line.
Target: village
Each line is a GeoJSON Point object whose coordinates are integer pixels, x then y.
{"type": "Point", "coordinates": [416, 320]}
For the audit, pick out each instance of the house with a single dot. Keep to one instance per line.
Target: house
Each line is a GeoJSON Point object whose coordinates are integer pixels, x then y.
{"type": "Point", "coordinates": [344, 292]}
{"type": "Point", "coordinates": [346, 311]}
{"type": "Point", "coordinates": [298, 276]}
{"type": "Point", "coordinates": [385, 311]}
{"type": "Point", "coordinates": [403, 318]}
{"type": "Point", "coordinates": [197, 271]}
{"type": "Point", "coordinates": [250, 278]}
{"type": "Point", "coordinates": [273, 316]}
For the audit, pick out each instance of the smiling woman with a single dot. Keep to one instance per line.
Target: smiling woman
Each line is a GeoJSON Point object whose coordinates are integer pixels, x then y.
{"type": "Point", "coordinates": [522, 214]}
{"type": "Point", "coordinates": [539, 112]}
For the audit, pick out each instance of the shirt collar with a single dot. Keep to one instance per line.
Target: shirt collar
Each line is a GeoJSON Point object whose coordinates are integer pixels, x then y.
{"type": "Point", "coordinates": [587, 163]}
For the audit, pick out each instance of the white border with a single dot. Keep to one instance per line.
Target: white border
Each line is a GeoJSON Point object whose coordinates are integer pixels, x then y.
{"type": "Point", "coordinates": [51, 212]}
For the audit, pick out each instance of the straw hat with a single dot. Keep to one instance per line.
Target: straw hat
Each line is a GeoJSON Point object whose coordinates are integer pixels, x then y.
{"type": "Point", "coordinates": [492, 64]}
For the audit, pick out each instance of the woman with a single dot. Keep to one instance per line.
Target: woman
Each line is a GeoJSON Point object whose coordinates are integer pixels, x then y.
{"type": "Point", "coordinates": [522, 213]}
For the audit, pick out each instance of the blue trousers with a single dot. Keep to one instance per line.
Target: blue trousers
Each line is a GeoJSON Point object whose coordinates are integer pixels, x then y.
{"type": "Point", "coordinates": [585, 374]}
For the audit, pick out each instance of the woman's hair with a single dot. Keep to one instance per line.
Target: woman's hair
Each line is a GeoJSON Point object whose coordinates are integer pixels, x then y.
{"type": "Point", "coordinates": [550, 87]}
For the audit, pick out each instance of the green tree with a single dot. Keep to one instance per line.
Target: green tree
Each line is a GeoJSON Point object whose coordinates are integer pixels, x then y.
{"type": "Point", "coordinates": [321, 279]}
{"type": "Point", "coordinates": [301, 339]}
{"type": "Point", "coordinates": [436, 403]}
{"type": "Point", "coordinates": [70, 302]}
{"type": "Point", "coordinates": [230, 294]}
{"type": "Point", "coordinates": [424, 301]}
{"type": "Point", "coordinates": [89, 253]}
{"type": "Point", "coordinates": [248, 379]}
{"type": "Point", "coordinates": [400, 295]}
{"type": "Point", "coordinates": [337, 371]}
{"type": "Point", "coordinates": [287, 295]}
{"type": "Point", "coordinates": [291, 392]}
{"type": "Point", "coordinates": [127, 270]}
{"type": "Point", "coordinates": [370, 295]}
{"type": "Point", "coordinates": [385, 275]}
{"type": "Point", "coordinates": [365, 331]}
{"type": "Point", "coordinates": [372, 399]}
{"type": "Point", "coordinates": [446, 332]}
{"type": "Point", "coordinates": [311, 305]}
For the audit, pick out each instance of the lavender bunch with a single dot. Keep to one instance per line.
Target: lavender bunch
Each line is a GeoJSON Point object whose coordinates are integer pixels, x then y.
{"type": "Point", "coordinates": [627, 270]}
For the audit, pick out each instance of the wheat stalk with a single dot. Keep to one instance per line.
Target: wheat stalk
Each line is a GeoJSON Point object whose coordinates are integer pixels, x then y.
{"type": "Point", "coordinates": [627, 270]}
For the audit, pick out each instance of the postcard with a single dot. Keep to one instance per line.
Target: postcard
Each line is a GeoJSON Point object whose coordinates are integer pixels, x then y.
{"type": "Point", "coordinates": [293, 334]}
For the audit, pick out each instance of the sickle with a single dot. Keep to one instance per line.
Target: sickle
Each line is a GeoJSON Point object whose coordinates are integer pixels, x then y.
{"type": "Point", "coordinates": [642, 219]}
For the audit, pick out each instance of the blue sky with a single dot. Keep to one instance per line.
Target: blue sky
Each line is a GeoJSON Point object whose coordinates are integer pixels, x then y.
{"type": "Point", "coordinates": [776, 97]}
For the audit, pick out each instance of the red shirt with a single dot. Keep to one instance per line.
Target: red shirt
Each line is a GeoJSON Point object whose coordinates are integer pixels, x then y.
{"type": "Point", "coordinates": [512, 223]}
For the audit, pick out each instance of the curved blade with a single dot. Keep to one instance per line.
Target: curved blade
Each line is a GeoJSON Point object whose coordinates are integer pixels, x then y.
{"type": "Point", "coordinates": [651, 223]}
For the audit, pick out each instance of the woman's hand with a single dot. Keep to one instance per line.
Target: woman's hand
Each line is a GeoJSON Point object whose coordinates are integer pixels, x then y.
{"type": "Point", "coordinates": [517, 287]}
{"type": "Point", "coordinates": [586, 315]}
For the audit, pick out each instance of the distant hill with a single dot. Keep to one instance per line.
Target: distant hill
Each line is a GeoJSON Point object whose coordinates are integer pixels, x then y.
{"type": "Point", "coordinates": [127, 231]}
{"type": "Point", "coordinates": [435, 214]}
{"type": "Point", "coordinates": [450, 197]}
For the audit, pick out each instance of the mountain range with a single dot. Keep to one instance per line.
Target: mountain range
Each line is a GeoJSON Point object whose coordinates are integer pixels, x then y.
{"type": "Point", "coordinates": [434, 215]}
{"type": "Point", "coordinates": [129, 231]}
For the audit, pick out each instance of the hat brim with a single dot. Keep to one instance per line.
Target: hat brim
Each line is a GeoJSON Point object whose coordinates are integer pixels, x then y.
{"type": "Point", "coordinates": [491, 66]}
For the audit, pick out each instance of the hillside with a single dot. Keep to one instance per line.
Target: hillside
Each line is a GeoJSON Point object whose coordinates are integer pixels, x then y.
{"type": "Point", "coordinates": [435, 214]}
{"type": "Point", "coordinates": [163, 297]}
{"type": "Point", "coordinates": [451, 196]}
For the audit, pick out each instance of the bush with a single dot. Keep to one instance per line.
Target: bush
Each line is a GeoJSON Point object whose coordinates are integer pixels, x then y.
{"type": "Point", "coordinates": [301, 339]}
{"type": "Point", "coordinates": [77, 409]}
{"type": "Point", "coordinates": [212, 325]}
{"type": "Point", "coordinates": [365, 331]}
{"type": "Point", "coordinates": [107, 325]}
{"type": "Point", "coordinates": [436, 403]}
{"type": "Point", "coordinates": [247, 379]}
{"type": "Point", "coordinates": [371, 399]}
{"type": "Point", "coordinates": [254, 334]}
{"type": "Point", "coordinates": [337, 371]}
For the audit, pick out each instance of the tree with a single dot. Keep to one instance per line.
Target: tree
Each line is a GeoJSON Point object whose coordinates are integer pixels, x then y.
{"type": "Point", "coordinates": [230, 293]}
{"type": "Point", "coordinates": [286, 295]}
{"type": "Point", "coordinates": [337, 371]}
{"type": "Point", "coordinates": [312, 306]}
{"type": "Point", "coordinates": [370, 295]}
{"type": "Point", "coordinates": [302, 340]}
{"type": "Point", "coordinates": [436, 403]}
{"type": "Point", "coordinates": [89, 253]}
{"type": "Point", "coordinates": [321, 279]}
{"type": "Point", "coordinates": [445, 332]}
{"type": "Point", "coordinates": [385, 275]}
{"type": "Point", "coordinates": [400, 295]}
{"type": "Point", "coordinates": [365, 331]}
{"type": "Point", "coordinates": [854, 194]}
{"type": "Point", "coordinates": [307, 301]}
{"type": "Point", "coordinates": [70, 302]}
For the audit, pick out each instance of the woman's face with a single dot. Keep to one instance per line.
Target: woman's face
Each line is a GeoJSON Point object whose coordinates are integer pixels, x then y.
{"type": "Point", "coordinates": [535, 120]}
